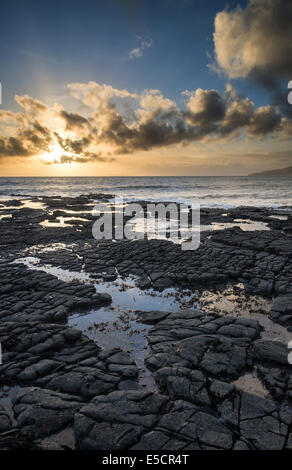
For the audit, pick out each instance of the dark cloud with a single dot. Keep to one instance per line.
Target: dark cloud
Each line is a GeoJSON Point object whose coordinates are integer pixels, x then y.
{"type": "Point", "coordinates": [264, 120]}
{"type": "Point", "coordinates": [73, 121]}
{"type": "Point", "coordinates": [205, 107]}
{"type": "Point", "coordinates": [13, 146]}
{"type": "Point", "coordinates": [28, 141]}
{"type": "Point", "coordinates": [74, 145]}
{"type": "Point", "coordinates": [208, 114]}
{"type": "Point", "coordinates": [256, 43]}
{"type": "Point", "coordinates": [153, 122]}
{"type": "Point", "coordinates": [239, 112]}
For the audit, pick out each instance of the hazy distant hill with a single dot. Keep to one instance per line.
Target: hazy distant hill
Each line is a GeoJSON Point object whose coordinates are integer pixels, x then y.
{"type": "Point", "coordinates": [281, 172]}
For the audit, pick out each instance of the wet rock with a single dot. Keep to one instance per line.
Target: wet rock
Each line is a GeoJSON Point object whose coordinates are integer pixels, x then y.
{"type": "Point", "coordinates": [116, 421]}
{"type": "Point", "coordinates": [27, 295]}
{"type": "Point", "coordinates": [152, 317]}
{"type": "Point", "coordinates": [138, 420]}
{"type": "Point", "coordinates": [271, 352]}
{"type": "Point", "coordinates": [240, 445]}
{"type": "Point", "coordinates": [55, 357]}
{"type": "Point", "coordinates": [221, 390]}
{"type": "Point", "coordinates": [194, 355]}
{"type": "Point", "coordinates": [281, 311]}
{"type": "Point", "coordinates": [260, 423]}
{"type": "Point", "coordinates": [276, 381]}
{"type": "Point", "coordinates": [43, 412]}
{"type": "Point", "coordinates": [5, 420]}
{"type": "Point", "coordinates": [183, 383]}
{"type": "Point", "coordinates": [216, 346]}
{"type": "Point", "coordinates": [16, 440]}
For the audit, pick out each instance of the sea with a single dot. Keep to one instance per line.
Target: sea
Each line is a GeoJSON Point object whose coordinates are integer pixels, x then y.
{"type": "Point", "coordinates": [217, 191]}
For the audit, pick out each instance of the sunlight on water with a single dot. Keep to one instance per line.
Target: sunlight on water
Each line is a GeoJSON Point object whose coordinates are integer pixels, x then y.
{"type": "Point", "coordinates": [220, 191]}
{"type": "Point", "coordinates": [117, 325]}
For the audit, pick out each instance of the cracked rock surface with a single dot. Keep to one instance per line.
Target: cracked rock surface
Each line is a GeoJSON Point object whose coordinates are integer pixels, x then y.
{"type": "Point", "coordinates": [222, 382]}
{"type": "Point", "coordinates": [198, 406]}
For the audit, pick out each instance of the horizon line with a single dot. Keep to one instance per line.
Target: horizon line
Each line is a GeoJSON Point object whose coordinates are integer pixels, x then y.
{"type": "Point", "coordinates": [123, 176]}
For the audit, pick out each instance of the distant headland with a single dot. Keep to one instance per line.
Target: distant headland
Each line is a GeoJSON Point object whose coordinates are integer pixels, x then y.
{"type": "Point", "coordinates": [280, 172]}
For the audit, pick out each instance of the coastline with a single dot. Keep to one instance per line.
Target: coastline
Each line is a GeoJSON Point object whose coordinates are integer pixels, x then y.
{"type": "Point", "coordinates": [94, 330]}
{"type": "Point", "coordinates": [214, 192]}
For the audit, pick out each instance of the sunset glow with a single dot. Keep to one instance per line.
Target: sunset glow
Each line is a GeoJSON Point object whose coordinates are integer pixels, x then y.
{"type": "Point", "coordinates": [221, 110]}
{"type": "Point", "coordinates": [145, 229]}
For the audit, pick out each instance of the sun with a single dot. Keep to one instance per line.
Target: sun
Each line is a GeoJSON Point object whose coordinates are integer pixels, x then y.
{"type": "Point", "coordinates": [55, 156]}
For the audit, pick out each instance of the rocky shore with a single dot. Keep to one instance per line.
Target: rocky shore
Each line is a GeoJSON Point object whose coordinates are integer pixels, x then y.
{"type": "Point", "coordinates": [200, 363]}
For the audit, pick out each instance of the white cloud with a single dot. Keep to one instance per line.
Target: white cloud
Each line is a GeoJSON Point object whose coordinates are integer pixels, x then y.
{"type": "Point", "coordinates": [138, 51]}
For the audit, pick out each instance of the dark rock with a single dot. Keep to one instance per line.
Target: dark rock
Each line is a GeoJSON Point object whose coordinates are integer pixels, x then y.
{"type": "Point", "coordinates": [43, 412]}
{"type": "Point", "coordinates": [152, 317]}
{"type": "Point", "coordinates": [271, 351]}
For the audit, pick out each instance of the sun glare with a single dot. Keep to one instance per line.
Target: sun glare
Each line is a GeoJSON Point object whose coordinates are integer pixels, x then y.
{"type": "Point", "coordinates": [55, 156]}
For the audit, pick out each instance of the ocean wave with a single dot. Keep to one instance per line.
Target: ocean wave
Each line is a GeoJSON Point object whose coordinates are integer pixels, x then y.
{"type": "Point", "coordinates": [225, 192]}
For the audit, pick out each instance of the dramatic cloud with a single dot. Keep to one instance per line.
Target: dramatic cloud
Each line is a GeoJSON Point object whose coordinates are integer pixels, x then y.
{"type": "Point", "coordinates": [263, 121]}
{"type": "Point", "coordinates": [96, 96]}
{"type": "Point", "coordinates": [121, 122]}
{"type": "Point", "coordinates": [73, 121]}
{"type": "Point", "coordinates": [138, 52]}
{"type": "Point", "coordinates": [205, 107]}
{"type": "Point", "coordinates": [28, 141]}
{"type": "Point", "coordinates": [31, 105]}
{"type": "Point", "coordinates": [239, 112]}
{"type": "Point", "coordinates": [256, 41]}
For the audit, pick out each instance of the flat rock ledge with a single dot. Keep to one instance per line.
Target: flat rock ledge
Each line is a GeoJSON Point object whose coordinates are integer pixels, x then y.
{"type": "Point", "coordinates": [196, 360]}
{"type": "Point", "coordinates": [146, 421]}
{"type": "Point", "coordinates": [31, 295]}
{"type": "Point", "coordinates": [71, 393]}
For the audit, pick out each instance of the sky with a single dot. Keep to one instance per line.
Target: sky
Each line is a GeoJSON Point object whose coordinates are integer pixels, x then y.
{"type": "Point", "coordinates": [129, 87]}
